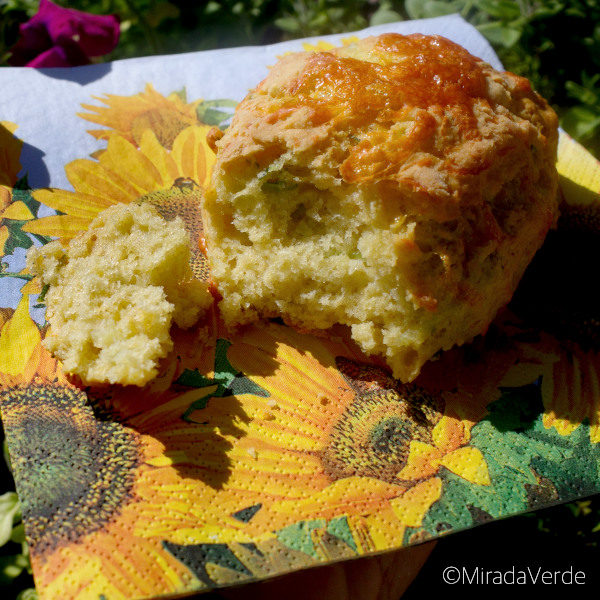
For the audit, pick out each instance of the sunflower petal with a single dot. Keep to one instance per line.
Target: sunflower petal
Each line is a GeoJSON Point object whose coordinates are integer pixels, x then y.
{"type": "Point", "coordinates": [62, 226]}
{"type": "Point", "coordinates": [386, 530]}
{"type": "Point", "coordinates": [19, 211]}
{"type": "Point", "coordinates": [592, 397]}
{"type": "Point", "coordinates": [19, 338]}
{"type": "Point", "coordinates": [129, 116]}
{"type": "Point", "coordinates": [103, 574]}
{"type": "Point", "coordinates": [4, 235]}
{"type": "Point", "coordinates": [468, 463]}
{"type": "Point", "coordinates": [578, 166]}
{"type": "Point", "coordinates": [351, 495]}
{"type": "Point", "coordinates": [5, 196]}
{"type": "Point", "coordinates": [73, 203]}
{"type": "Point", "coordinates": [423, 461]}
{"type": "Point", "coordinates": [523, 373]}
{"type": "Point", "coordinates": [412, 507]}
{"type": "Point", "coordinates": [34, 286]}
{"type": "Point", "coordinates": [191, 151]}
{"type": "Point", "coordinates": [562, 395]}
{"type": "Point", "coordinates": [155, 152]}
{"type": "Point", "coordinates": [306, 375]}
{"type": "Point", "coordinates": [89, 177]}
{"type": "Point", "coordinates": [12, 127]}
{"type": "Point", "coordinates": [121, 156]}
{"type": "Point", "coordinates": [450, 433]}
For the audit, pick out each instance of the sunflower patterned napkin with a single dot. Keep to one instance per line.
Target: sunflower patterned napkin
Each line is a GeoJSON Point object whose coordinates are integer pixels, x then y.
{"type": "Point", "coordinates": [270, 451]}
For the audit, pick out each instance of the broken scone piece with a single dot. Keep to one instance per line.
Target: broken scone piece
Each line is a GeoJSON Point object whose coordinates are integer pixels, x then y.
{"type": "Point", "coordinates": [398, 186]}
{"type": "Point", "coordinates": [115, 291]}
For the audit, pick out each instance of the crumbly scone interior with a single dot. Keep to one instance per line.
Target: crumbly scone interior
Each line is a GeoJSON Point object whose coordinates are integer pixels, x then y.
{"type": "Point", "coordinates": [301, 228]}
{"type": "Point", "coordinates": [331, 256]}
{"type": "Point", "coordinates": [114, 293]}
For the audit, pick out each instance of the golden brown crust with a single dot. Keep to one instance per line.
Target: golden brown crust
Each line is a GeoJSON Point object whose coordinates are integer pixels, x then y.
{"type": "Point", "coordinates": [417, 110]}
{"type": "Point", "coordinates": [400, 158]}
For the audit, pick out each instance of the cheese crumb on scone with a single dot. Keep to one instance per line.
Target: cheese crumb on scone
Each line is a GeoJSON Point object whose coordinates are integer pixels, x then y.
{"type": "Point", "coordinates": [399, 186]}
{"type": "Point", "coordinates": [114, 293]}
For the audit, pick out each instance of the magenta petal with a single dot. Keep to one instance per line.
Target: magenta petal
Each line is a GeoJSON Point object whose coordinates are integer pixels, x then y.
{"type": "Point", "coordinates": [93, 37]}
{"type": "Point", "coordinates": [94, 34]}
{"type": "Point", "coordinates": [57, 36]}
{"type": "Point", "coordinates": [53, 57]}
{"type": "Point", "coordinates": [34, 40]}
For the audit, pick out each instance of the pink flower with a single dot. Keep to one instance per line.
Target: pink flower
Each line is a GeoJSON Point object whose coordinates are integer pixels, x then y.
{"type": "Point", "coordinates": [63, 37]}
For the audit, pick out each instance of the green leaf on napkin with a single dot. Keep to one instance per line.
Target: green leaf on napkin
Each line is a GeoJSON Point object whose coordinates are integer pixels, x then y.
{"type": "Point", "coordinates": [229, 380]}
{"type": "Point", "coordinates": [209, 112]}
{"type": "Point", "coordinates": [529, 465]}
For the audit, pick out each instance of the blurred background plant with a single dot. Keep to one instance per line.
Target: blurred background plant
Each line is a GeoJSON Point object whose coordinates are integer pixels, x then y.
{"type": "Point", "coordinates": [554, 43]}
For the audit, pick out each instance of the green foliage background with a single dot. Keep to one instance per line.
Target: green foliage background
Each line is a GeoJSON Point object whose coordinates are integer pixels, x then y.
{"type": "Point", "coordinates": [554, 43]}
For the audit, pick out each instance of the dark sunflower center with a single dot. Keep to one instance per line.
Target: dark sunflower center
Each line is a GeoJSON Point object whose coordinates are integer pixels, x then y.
{"type": "Point", "coordinates": [390, 434]}
{"type": "Point", "coordinates": [75, 473]}
{"type": "Point", "coordinates": [166, 125]}
{"type": "Point", "coordinates": [183, 200]}
{"type": "Point", "coordinates": [372, 437]}
{"type": "Point", "coordinates": [43, 451]}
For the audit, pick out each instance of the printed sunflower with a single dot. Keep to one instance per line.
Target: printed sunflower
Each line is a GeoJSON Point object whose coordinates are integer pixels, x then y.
{"type": "Point", "coordinates": [337, 437]}
{"type": "Point", "coordinates": [569, 379]}
{"type": "Point", "coordinates": [102, 496]}
{"type": "Point", "coordinates": [130, 116]}
{"type": "Point", "coordinates": [571, 392]}
{"type": "Point", "coordinates": [172, 181]}
{"type": "Point", "coordinates": [22, 355]}
{"type": "Point", "coordinates": [559, 298]}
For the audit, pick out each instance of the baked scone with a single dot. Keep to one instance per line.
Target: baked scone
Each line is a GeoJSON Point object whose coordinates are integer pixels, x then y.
{"type": "Point", "coordinates": [398, 185]}
{"type": "Point", "coordinates": [114, 292]}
